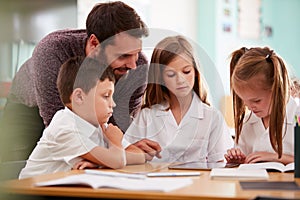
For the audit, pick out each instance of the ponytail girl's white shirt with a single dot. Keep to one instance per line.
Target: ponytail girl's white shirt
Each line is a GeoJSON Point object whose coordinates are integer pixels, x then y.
{"type": "Point", "coordinates": [255, 137]}
{"type": "Point", "coordinates": [202, 134]}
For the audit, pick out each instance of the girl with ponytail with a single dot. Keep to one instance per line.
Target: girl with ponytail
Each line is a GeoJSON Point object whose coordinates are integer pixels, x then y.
{"type": "Point", "coordinates": [263, 109]}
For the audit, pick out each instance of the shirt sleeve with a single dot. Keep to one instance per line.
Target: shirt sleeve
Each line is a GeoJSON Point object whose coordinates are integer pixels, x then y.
{"type": "Point", "coordinates": [242, 143]}
{"type": "Point", "coordinates": [128, 94]}
{"type": "Point", "coordinates": [46, 63]}
{"type": "Point", "coordinates": [139, 127]}
{"type": "Point", "coordinates": [50, 53]}
{"type": "Point", "coordinates": [220, 139]}
{"type": "Point", "coordinates": [69, 145]}
{"type": "Point", "coordinates": [136, 98]}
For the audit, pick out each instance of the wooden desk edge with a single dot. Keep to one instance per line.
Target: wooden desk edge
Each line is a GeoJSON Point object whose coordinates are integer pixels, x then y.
{"type": "Point", "coordinates": [26, 187]}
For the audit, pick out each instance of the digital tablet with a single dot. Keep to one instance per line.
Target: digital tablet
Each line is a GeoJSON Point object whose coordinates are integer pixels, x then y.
{"type": "Point", "coordinates": [201, 165]}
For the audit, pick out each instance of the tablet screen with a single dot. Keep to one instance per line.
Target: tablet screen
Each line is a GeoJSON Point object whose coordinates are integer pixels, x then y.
{"type": "Point", "coordinates": [202, 166]}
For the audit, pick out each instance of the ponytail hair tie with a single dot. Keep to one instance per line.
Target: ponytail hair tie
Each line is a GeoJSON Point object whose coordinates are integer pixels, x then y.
{"type": "Point", "coordinates": [244, 49]}
{"type": "Point", "coordinates": [268, 58]}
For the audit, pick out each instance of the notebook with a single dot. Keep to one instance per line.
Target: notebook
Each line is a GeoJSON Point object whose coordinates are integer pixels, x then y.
{"type": "Point", "coordinates": [239, 174]}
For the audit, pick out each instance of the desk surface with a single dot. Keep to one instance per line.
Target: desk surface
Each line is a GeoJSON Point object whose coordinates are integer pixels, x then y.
{"type": "Point", "coordinates": [202, 188]}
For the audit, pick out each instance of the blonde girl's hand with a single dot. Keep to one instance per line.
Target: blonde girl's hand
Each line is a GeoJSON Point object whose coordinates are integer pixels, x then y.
{"type": "Point", "coordinates": [84, 164]}
{"type": "Point", "coordinates": [235, 155]}
{"type": "Point", "coordinates": [112, 133]}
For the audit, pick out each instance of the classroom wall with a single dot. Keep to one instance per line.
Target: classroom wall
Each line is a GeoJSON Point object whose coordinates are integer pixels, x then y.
{"type": "Point", "coordinates": [206, 24]}
{"type": "Point", "coordinates": [208, 31]}
{"type": "Point", "coordinates": [281, 16]}
{"type": "Point", "coordinates": [284, 18]}
{"type": "Point", "coordinates": [24, 23]}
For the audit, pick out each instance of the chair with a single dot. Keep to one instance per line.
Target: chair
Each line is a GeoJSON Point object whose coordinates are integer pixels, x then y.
{"type": "Point", "coordinates": [11, 169]}
{"type": "Point", "coordinates": [227, 110]}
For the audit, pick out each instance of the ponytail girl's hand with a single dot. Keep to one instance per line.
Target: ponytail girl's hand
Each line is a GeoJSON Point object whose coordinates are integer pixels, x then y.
{"type": "Point", "coordinates": [235, 155]}
{"type": "Point", "coordinates": [261, 156]}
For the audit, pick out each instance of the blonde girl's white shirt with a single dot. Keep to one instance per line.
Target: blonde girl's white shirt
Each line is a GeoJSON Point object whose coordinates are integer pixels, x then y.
{"type": "Point", "coordinates": [202, 134]}
{"type": "Point", "coordinates": [63, 142]}
{"type": "Point", "coordinates": [254, 137]}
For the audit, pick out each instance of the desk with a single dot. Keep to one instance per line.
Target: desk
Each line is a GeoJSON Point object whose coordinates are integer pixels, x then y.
{"type": "Point", "coordinates": [202, 188]}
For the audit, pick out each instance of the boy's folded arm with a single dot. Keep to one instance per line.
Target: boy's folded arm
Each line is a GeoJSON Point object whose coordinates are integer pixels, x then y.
{"type": "Point", "coordinates": [113, 157]}
{"type": "Point", "coordinates": [134, 155]}
{"type": "Point", "coordinates": [85, 164]}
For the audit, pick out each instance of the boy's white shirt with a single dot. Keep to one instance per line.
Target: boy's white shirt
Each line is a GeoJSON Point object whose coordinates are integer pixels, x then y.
{"type": "Point", "coordinates": [254, 137]}
{"type": "Point", "coordinates": [201, 133]}
{"type": "Point", "coordinates": [67, 137]}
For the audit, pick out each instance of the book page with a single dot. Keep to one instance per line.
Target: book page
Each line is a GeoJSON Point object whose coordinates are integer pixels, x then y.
{"type": "Point", "coordinates": [268, 165]}
{"type": "Point", "coordinates": [290, 167]}
{"type": "Point", "coordinates": [97, 181]}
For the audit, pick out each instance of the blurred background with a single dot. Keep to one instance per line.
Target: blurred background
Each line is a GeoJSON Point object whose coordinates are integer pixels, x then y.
{"type": "Point", "coordinates": [218, 27]}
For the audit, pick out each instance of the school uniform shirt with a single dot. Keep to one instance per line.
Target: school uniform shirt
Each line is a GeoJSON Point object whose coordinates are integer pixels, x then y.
{"type": "Point", "coordinates": [255, 137]}
{"type": "Point", "coordinates": [63, 142]}
{"type": "Point", "coordinates": [202, 134]}
{"type": "Point", "coordinates": [297, 99]}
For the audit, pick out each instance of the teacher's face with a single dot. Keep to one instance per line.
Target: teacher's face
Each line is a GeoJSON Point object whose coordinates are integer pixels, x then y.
{"type": "Point", "coordinates": [122, 54]}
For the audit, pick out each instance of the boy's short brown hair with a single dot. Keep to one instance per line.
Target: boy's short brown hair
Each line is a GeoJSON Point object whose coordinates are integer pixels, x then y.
{"type": "Point", "coordinates": [81, 72]}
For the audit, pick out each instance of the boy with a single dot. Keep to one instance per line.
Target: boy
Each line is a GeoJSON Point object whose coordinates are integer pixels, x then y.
{"type": "Point", "coordinates": [77, 135]}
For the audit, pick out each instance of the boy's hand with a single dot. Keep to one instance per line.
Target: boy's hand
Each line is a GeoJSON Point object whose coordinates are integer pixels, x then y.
{"type": "Point", "coordinates": [151, 148]}
{"type": "Point", "coordinates": [113, 134]}
{"type": "Point", "coordinates": [85, 164]}
{"type": "Point", "coordinates": [235, 155]}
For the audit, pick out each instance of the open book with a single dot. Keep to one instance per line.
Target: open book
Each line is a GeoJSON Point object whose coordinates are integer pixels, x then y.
{"type": "Point", "coordinates": [270, 166]}
{"type": "Point", "coordinates": [98, 181]}
{"type": "Point", "coordinates": [239, 174]}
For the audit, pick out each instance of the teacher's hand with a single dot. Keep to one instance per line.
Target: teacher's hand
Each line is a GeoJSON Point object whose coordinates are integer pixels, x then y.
{"type": "Point", "coordinates": [151, 148]}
